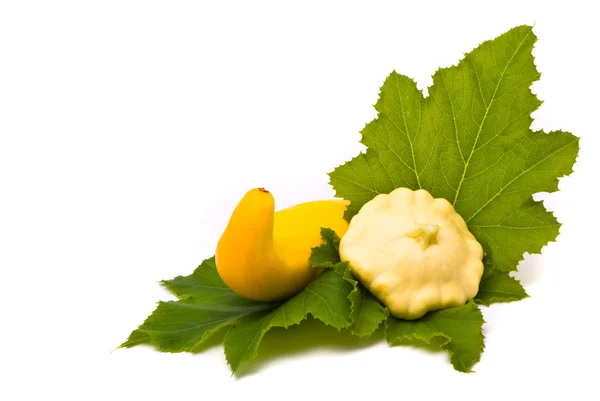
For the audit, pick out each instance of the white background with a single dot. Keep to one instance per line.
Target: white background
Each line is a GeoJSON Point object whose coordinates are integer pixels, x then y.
{"type": "Point", "coordinates": [129, 130]}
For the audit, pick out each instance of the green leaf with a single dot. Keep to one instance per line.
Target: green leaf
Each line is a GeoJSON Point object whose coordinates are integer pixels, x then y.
{"type": "Point", "coordinates": [498, 286]}
{"type": "Point", "coordinates": [205, 305]}
{"type": "Point", "coordinates": [470, 142]}
{"type": "Point", "coordinates": [456, 330]}
{"type": "Point", "coordinates": [367, 311]}
{"type": "Point", "coordinates": [327, 254]}
{"type": "Point", "coordinates": [325, 298]}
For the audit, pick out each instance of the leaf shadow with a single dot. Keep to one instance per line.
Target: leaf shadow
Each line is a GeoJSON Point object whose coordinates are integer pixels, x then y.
{"type": "Point", "coordinates": [530, 270]}
{"type": "Point", "coordinates": [310, 336]}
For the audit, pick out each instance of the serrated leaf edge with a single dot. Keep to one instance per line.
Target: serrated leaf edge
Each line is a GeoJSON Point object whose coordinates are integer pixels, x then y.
{"type": "Point", "coordinates": [443, 346]}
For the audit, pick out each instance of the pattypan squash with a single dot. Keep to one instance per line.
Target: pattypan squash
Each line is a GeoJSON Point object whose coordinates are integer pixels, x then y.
{"type": "Point", "coordinates": [413, 252]}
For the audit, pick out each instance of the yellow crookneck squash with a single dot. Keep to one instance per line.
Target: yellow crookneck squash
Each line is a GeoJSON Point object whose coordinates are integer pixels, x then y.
{"type": "Point", "coordinates": [263, 255]}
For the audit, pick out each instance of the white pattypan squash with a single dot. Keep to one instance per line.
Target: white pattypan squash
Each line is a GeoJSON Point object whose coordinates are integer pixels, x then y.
{"type": "Point", "coordinates": [413, 252]}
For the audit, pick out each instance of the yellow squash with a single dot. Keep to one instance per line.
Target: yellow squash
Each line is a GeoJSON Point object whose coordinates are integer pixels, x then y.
{"type": "Point", "coordinates": [263, 255]}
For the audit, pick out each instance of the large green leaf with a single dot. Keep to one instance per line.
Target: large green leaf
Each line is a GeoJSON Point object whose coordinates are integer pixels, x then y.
{"type": "Point", "coordinates": [470, 142]}
{"type": "Point", "coordinates": [205, 305]}
{"type": "Point", "coordinates": [456, 330]}
{"type": "Point", "coordinates": [325, 298]}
